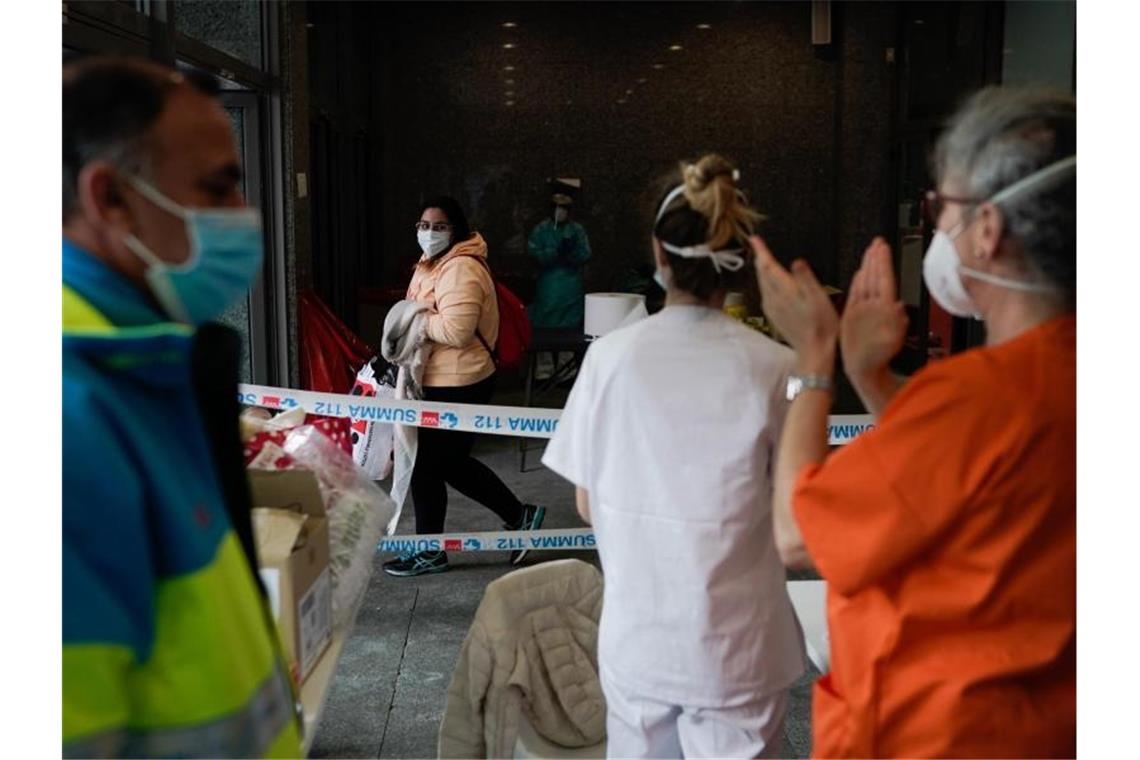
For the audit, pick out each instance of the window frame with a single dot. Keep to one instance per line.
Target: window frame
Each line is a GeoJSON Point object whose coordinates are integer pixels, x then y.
{"type": "Point", "coordinates": [149, 30]}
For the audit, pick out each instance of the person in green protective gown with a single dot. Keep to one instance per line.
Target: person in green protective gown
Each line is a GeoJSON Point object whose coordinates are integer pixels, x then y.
{"type": "Point", "coordinates": [561, 247]}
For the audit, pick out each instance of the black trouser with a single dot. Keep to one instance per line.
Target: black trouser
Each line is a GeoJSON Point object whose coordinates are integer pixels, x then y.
{"type": "Point", "coordinates": [444, 458]}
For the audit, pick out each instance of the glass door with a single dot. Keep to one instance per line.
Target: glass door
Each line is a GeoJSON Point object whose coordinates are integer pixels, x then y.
{"type": "Point", "coordinates": [234, 41]}
{"type": "Point", "coordinates": [248, 316]}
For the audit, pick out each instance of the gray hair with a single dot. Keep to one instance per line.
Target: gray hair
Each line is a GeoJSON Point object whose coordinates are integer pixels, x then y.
{"type": "Point", "coordinates": [1003, 134]}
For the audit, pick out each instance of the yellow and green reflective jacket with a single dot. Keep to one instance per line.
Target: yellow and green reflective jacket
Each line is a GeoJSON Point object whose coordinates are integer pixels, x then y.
{"type": "Point", "coordinates": [168, 650]}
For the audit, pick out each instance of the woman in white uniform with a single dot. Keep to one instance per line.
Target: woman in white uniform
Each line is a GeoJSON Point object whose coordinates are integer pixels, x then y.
{"type": "Point", "coordinates": [668, 435]}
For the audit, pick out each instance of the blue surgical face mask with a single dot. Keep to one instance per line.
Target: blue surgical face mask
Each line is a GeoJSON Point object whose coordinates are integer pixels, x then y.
{"type": "Point", "coordinates": [225, 257]}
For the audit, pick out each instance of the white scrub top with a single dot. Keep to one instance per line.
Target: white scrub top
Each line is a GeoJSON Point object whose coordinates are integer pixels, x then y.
{"type": "Point", "coordinates": [671, 427]}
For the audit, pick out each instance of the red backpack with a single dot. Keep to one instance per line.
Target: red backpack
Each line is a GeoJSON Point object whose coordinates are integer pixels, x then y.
{"type": "Point", "coordinates": [514, 324]}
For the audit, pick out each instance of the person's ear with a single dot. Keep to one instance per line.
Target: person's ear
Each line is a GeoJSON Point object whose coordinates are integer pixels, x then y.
{"type": "Point", "coordinates": [100, 195]}
{"type": "Point", "coordinates": [987, 232]}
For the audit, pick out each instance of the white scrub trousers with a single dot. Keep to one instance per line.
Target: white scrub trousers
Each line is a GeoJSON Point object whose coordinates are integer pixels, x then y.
{"type": "Point", "coordinates": [639, 726]}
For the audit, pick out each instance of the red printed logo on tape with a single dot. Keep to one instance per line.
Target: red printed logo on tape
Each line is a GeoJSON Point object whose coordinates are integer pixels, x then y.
{"type": "Point", "coordinates": [270, 401]}
{"type": "Point", "coordinates": [430, 419]}
{"type": "Point", "coordinates": [452, 545]}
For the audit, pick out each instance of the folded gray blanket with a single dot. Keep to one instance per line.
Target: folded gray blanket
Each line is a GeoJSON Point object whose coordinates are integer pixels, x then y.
{"type": "Point", "coordinates": [405, 333]}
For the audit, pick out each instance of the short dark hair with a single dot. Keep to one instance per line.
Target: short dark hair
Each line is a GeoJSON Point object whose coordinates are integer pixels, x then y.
{"type": "Point", "coordinates": [109, 106]}
{"type": "Point", "coordinates": [460, 229]}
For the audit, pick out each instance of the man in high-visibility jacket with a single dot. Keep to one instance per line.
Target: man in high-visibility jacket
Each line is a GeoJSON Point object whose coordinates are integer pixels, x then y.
{"type": "Point", "coordinates": [168, 646]}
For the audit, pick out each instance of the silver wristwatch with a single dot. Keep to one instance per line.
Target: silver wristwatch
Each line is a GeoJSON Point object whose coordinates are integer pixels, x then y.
{"type": "Point", "coordinates": [800, 383]}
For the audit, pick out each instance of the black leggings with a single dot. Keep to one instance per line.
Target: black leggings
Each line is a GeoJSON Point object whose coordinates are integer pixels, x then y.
{"type": "Point", "coordinates": [444, 458]}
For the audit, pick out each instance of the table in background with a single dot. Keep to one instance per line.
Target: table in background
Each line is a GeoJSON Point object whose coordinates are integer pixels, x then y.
{"type": "Point", "coordinates": [557, 342]}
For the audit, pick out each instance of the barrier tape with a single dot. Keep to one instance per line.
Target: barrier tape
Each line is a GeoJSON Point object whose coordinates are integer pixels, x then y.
{"type": "Point", "coordinates": [514, 421]}
{"type": "Point", "coordinates": [502, 541]}
{"type": "Point", "coordinates": [517, 421]}
{"type": "Point", "coordinates": [845, 428]}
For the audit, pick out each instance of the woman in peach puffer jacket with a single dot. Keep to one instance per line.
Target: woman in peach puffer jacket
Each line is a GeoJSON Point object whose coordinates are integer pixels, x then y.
{"type": "Point", "coordinates": [453, 280]}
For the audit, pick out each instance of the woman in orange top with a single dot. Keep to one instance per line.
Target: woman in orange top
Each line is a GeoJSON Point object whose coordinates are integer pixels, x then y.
{"type": "Point", "coordinates": [947, 535]}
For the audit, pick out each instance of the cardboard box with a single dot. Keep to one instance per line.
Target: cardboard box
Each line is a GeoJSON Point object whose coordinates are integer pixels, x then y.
{"type": "Point", "coordinates": [292, 535]}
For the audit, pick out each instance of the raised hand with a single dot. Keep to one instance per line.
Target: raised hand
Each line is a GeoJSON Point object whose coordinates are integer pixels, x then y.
{"type": "Point", "coordinates": [873, 328]}
{"type": "Point", "coordinates": [874, 321]}
{"type": "Point", "coordinates": [796, 303]}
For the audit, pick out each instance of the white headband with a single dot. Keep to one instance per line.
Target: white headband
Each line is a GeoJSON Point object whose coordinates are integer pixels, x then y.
{"type": "Point", "coordinates": [726, 258]}
{"type": "Point", "coordinates": [1054, 172]}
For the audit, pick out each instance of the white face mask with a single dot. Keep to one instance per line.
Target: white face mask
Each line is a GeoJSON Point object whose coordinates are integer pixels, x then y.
{"type": "Point", "coordinates": [942, 270]}
{"type": "Point", "coordinates": [433, 243]}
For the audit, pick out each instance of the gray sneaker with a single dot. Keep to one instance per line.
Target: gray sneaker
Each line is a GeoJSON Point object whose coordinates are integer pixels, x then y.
{"type": "Point", "coordinates": [533, 516]}
{"type": "Point", "coordinates": [417, 563]}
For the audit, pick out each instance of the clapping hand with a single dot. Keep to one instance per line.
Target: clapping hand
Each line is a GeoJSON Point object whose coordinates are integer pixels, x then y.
{"type": "Point", "coordinates": [797, 306]}
{"type": "Point", "coordinates": [874, 321]}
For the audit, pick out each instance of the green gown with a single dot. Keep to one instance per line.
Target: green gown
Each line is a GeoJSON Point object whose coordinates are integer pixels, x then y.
{"type": "Point", "coordinates": [560, 250]}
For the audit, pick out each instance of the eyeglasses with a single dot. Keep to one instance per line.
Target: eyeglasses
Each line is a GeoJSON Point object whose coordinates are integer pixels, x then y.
{"type": "Point", "coordinates": [422, 226]}
{"type": "Point", "coordinates": [933, 202]}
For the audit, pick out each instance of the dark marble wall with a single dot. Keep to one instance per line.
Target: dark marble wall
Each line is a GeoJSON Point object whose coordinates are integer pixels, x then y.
{"type": "Point", "coordinates": [598, 94]}
{"type": "Point", "coordinates": [865, 203]}
{"type": "Point", "coordinates": [346, 125]}
{"type": "Point", "coordinates": [232, 26]}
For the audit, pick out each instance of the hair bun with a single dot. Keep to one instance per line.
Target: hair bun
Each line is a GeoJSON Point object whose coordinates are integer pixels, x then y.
{"type": "Point", "coordinates": [695, 180]}
{"type": "Point", "coordinates": [718, 200]}
{"type": "Point", "coordinates": [700, 175]}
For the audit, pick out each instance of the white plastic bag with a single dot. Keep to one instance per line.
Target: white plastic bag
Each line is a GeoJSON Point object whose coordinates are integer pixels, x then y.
{"type": "Point", "coordinates": [372, 441]}
{"type": "Point", "coordinates": [359, 512]}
